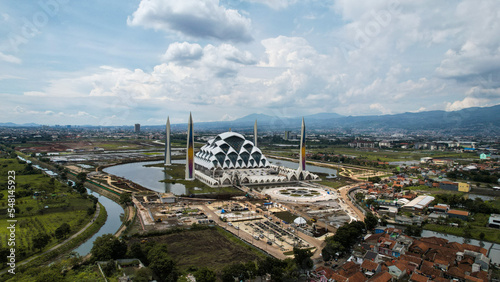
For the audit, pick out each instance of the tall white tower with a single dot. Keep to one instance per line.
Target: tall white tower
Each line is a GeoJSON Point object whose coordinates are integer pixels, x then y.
{"type": "Point", "coordinates": [168, 154]}
{"type": "Point", "coordinates": [255, 134]}
{"type": "Point", "coordinates": [302, 160]}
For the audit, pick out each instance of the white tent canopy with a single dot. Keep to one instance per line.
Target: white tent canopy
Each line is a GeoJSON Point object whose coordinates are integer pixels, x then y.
{"type": "Point", "coordinates": [299, 221]}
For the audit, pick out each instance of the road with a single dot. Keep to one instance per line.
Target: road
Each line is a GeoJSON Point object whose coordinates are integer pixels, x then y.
{"type": "Point", "coordinates": [343, 193]}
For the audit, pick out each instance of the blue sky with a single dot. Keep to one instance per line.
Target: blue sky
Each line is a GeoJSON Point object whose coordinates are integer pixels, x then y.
{"type": "Point", "coordinates": [120, 62]}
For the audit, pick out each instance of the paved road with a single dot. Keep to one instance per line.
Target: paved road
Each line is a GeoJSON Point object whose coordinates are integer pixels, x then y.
{"type": "Point", "coordinates": [343, 193]}
{"type": "Point", "coordinates": [98, 209]}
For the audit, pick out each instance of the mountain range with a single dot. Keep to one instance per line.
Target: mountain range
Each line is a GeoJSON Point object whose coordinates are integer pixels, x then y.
{"type": "Point", "coordinates": [473, 121]}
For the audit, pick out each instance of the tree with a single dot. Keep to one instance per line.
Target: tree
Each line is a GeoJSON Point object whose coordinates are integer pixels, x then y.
{"type": "Point", "coordinates": [82, 176]}
{"type": "Point", "coordinates": [143, 275]}
{"type": "Point", "coordinates": [371, 221]}
{"type": "Point", "coordinates": [481, 236]}
{"type": "Point", "coordinates": [125, 198]}
{"type": "Point", "coordinates": [413, 230]}
{"type": "Point", "coordinates": [302, 258]}
{"type": "Point", "coordinates": [107, 247]}
{"type": "Point", "coordinates": [205, 275]}
{"type": "Point", "coordinates": [62, 231]}
{"type": "Point", "coordinates": [161, 264]}
{"type": "Point", "coordinates": [40, 241]}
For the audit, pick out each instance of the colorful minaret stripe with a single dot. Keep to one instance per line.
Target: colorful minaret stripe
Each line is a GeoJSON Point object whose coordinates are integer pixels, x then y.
{"type": "Point", "coordinates": [190, 150]}
{"type": "Point", "coordinates": [255, 134]}
{"type": "Point", "coordinates": [302, 160]}
{"type": "Point", "coordinates": [168, 154]}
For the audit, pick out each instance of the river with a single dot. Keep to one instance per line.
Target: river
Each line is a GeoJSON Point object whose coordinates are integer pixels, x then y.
{"type": "Point", "coordinates": [112, 224]}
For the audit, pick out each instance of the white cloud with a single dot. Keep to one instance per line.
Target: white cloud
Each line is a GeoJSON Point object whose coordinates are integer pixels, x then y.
{"type": "Point", "coordinates": [465, 103]}
{"type": "Point", "coordinates": [5, 17]}
{"type": "Point", "coordinates": [275, 4]}
{"type": "Point", "coordinates": [380, 108]}
{"type": "Point", "coordinates": [10, 58]}
{"type": "Point", "coordinates": [183, 52]}
{"type": "Point", "coordinates": [193, 18]}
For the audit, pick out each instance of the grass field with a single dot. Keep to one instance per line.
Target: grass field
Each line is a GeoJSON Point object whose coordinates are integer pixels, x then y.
{"type": "Point", "coordinates": [54, 205]}
{"type": "Point", "coordinates": [213, 248]}
{"type": "Point", "coordinates": [384, 155]}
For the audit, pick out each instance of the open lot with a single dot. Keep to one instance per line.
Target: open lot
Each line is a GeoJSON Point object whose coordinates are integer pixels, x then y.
{"type": "Point", "coordinates": [211, 247]}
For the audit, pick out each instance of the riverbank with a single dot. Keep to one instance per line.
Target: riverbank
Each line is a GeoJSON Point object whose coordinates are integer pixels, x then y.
{"type": "Point", "coordinates": [67, 245]}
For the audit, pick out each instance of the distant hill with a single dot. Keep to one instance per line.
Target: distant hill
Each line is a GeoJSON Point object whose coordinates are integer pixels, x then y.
{"type": "Point", "coordinates": [471, 121]}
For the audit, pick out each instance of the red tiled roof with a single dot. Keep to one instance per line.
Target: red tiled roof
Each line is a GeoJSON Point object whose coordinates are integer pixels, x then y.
{"type": "Point", "coordinates": [328, 272]}
{"type": "Point", "coordinates": [431, 271]}
{"type": "Point", "coordinates": [383, 276]}
{"type": "Point", "coordinates": [434, 240]}
{"type": "Point", "coordinates": [475, 248]}
{"type": "Point", "coordinates": [456, 272]}
{"type": "Point", "coordinates": [481, 275]}
{"type": "Point", "coordinates": [410, 258]}
{"type": "Point", "coordinates": [338, 277]}
{"type": "Point", "coordinates": [441, 279]}
{"type": "Point", "coordinates": [472, 279]}
{"type": "Point", "coordinates": [418, 278]}
{"type": "Point", "coordinates": [357, 277]}
{"type": "Point", "coordinates": [369, 265]}
{"type": "Point", "coordinates": [427, 263]}
{"type": "Point", "coordinates": [455, 246]}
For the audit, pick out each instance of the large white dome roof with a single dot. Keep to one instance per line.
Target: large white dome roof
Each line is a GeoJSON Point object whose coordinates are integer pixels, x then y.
{"type": "Point", "coordinates": [230, 150]}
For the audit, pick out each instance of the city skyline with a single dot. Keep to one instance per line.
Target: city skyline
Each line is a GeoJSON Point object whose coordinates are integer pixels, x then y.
{"type": "Point", "coordinates": [65, 62]}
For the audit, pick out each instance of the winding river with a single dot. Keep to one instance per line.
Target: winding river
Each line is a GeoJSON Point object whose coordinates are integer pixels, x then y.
{"type": "Point", "coordinates": [112, 224]}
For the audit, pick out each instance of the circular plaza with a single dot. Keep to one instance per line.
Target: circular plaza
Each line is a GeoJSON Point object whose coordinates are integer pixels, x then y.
{"type": "Point", "coordinates": [299, 194]}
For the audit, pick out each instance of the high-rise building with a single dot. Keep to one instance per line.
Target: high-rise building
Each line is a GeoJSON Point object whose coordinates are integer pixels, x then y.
{"type": "Point", "coordinates": [168, 154]}
{"type": "Point", "coordinates": [190, 150]}
{"type": "Point", "coordinates": [287, 135]}
{"type": "Point", "coordinates": [137, 128]}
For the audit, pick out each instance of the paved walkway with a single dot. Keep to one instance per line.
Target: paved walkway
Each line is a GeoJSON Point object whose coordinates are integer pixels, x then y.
{"type": "Point", "coordinates": [97, 211]}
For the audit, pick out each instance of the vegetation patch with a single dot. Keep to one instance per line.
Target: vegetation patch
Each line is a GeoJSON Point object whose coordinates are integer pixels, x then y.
{"type": "Point", "coordinates": [211, 247]}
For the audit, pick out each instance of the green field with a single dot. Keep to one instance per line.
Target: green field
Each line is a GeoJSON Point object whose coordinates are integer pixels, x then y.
{"type": "Point", "coordinates": [54, 205]}
{"type": "Point", "coordinates": [478, 225]}
{"type": "Point", "coordinates": [383, 155]}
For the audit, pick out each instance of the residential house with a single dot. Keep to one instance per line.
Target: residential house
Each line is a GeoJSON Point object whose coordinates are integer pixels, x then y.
{"type": "Point", "coordinates": [463, 215]}
{"type": "Point", "coordinates": [494, 221]}
{"type": "Point", "coordinates": [370, 268]}
{"type": "Point", "coordinates": [415, 277]}
{"type": "Point", "coordinates": [383, 276]}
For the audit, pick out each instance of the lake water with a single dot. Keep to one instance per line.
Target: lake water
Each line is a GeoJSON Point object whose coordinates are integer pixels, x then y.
{"type": "Point", "coordinates": [312, 168]}
{"type": "Point", "coordinates": [494, 253]}
{"type": "Point", "coordinates": [148, 177]}
{"type": "Point", "coordinates": [112, 224]}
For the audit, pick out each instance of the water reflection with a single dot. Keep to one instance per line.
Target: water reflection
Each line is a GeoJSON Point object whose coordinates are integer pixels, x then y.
{"type": "Point", "coordinates": [148, 177]}
{"type": "Point", "coordinates": [111, 226]}
{"type": "Point", "coordinates": [312, 168]}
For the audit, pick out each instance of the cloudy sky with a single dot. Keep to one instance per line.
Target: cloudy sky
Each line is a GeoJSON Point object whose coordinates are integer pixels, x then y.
{"type": "Point", "coordinates": [120, 62]}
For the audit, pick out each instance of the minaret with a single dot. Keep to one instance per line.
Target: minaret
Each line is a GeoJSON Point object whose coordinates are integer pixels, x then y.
{"type": "Point", "coordinates": [255, 134]}
{"type": "Point", "coordinates": [190, 150]}
{"type": "Point", "coordinates": [168, 155]}
{"type": "Point", "coordinates": [302, 160]}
